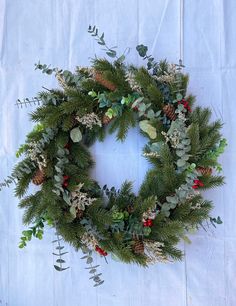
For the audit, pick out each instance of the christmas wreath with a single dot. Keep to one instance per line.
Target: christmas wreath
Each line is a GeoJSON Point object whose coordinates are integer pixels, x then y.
{"type": "Point", "coordinates": [182, 146]}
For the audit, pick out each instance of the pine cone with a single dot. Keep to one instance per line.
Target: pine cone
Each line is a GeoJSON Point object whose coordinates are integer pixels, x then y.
{"type": "Point", "coordinates": [207, 171]}
{"type": "Point", "coordinates": [138, 247]}
{"type": "Point", "coordinates": [39, 177]}
{"type": "Point", "coordinates": [106, 119]}
{"type": "Point", "coordinates": [74, 121]}
{"type": "Point", "coordinates": [99, 78]}
{"type": "Point", "coordinates": [79, 213]}
{"type": "Point", "coordinates": [169, 110]}
{"type": "Point", "coordinates": [130, 209]}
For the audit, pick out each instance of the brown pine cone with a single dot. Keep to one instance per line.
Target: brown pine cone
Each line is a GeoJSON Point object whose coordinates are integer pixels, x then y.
{"type": "Point", "coordinates": [39, 177]}
{"type": "Point", "coordinates": [106, 120]}
{"type": "Point", "coordinates": [169, 110]}
{"type": "Point", "coordinates": [99, 78]}
{"type": "Point", "coordinates": [138, 247]}
{"type": "Point", "coordinates": [79, 213]}
{"type": "Point", "coordinates": [130, 209]}
{"type": "Point", "coordinates": [207, 171]}
{"type": "Point", "coordinates": [74, 121]}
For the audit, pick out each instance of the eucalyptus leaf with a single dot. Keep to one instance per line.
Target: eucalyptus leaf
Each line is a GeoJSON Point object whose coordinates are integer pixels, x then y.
{"type": "Point", "coordinates": [59, 268]}
{"type": "Point", "coordinates": [137, 102]}
{"type": "Point", "coordinates": [179, 97]}
{"type": "Point", "coordinates": [89, 260]}
{"type": "Point", "coordinates": [181, 162]}
{"type": "Point", "coordinates": [142, 107]}
{"type": "Point", "coordinates": [73, 211]}
{"type": "Point", "coordinates": [150, 114]}
{"type": "Point", "coordinates": [76, 135]}
{"type": "Point", "coordinates": [60, 260]}
{"type": "Point", "coordinates": [180, 153]}
{"type": "Point", "coordinates": [148, 128]}
{"type": "Point", "coordinates": [173, 200]}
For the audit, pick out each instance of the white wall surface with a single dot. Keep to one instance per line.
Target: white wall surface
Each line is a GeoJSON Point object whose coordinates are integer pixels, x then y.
{"type": "Point", "coordinates": [55, 31]}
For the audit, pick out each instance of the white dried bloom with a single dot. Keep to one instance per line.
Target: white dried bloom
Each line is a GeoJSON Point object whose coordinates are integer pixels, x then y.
{"type": "Point", "coordinates": [83, 70]}
{"type": "Point", "coordinates": [89, 120]}
{"type": "Point", "coordinates": [150, 214]}
{"type": "Point", "coordinates": [196, 206]}
{"type": "Point", "coordinates": [89, 240]}
{"type": "Point", "coordinates": [174, 138]}
{"type": "Point", "coordinates": [61, 80]}
{"type": "Point", "coordinates": [35, 154]}
{"type": "Point", "coordinates": [168, 76]}
{"type": "Point", "coordinates": [153, 250]}
{"type": "Point", "coordinates": [181, 116]}
{"type": "Point", "coordinates": [151, 154]}
{"type": "Point", "coordinates": [130, 78]}
{"type": "Point", "coordinates": [79, 199]}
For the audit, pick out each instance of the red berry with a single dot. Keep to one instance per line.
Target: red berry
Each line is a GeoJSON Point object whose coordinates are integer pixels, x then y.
{"type": "Point", "coordinates": [67, 146]}
{"type": "Point", "coordinates": [66, 177]}
{"type": "Point", "coordinates": [100, 251]}
{"type": "Point", "coordinates": [65, 184]}
{"type": "Point", "coordinates": [147, 223]}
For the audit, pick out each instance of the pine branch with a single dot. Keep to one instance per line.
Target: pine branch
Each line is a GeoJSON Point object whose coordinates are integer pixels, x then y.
{"type": "Point", "coordinates": [212, 181]}
{"type": "Point", "coordinates": [122, 124]}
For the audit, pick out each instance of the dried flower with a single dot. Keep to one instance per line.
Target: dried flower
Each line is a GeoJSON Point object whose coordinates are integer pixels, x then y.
{"type": "Point", "coordinates": [61, 80]}
{"type": "Point", "coordinates": [79, 199]}
{"type": "Point", "coordinates": [196, 206]}
{"type": "Point", "coordinates": [89, 120]}
{"type": "Point", "coordinates": [169, 75]}
{"type": "Point", "coordinates": [173, 138]}
{"type": "Point", "coordinates": [151, 154]}
{"type": "Point", "coordinates": [153, 250]}
{"type": "Point", "coordinates": [130, 78]}
{"type": "Point", "coordinates": [34, 152]}
{"type": "Point", "coordinates": [89, 240]}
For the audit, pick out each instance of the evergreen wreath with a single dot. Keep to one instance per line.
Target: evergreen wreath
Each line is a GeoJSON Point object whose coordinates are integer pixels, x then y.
{"type": "Point", "coordinates": [183, 147]}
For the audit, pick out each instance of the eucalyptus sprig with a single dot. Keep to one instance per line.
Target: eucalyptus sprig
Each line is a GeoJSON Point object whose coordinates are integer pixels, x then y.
{"type": "Point", "coordinates": [36, 230]}
{"type": "Point", "coordinates": [59, 261]}
{"type": "Point", "coordinates": [142, 51]}
{"type": "Point", "coordinates": [92, 268]}
{"type": "Point", "coordinates": [28, 102]}
{"type": "Point", "coordinates": [111, 52]}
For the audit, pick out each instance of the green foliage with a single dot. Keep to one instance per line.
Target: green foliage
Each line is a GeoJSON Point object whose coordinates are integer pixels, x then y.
{"type": "Point", "coordinates": [96, 277]}
{"type": "Point", "coordinates": [59, 253]}
{"type": "Point", "coordinates": [36, 230]}
{"type": "Point", "coordinates": [180, 142]}
{"type": "Point", "coordinates": [100, 40]}
{"type": "Point", "coordinates": [122, 124]}
{"type": "Point", "coordinates": [142, 51]}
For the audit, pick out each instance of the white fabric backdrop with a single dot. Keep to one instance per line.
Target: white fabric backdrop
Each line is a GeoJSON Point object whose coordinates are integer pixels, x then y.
{"type": "Point", "coordinates": [54, 31]}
